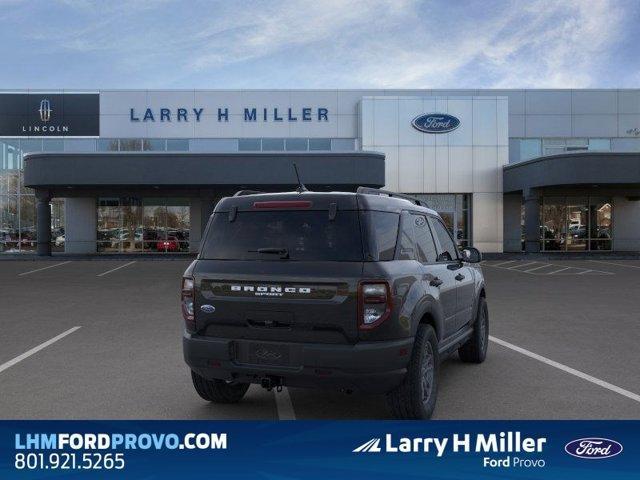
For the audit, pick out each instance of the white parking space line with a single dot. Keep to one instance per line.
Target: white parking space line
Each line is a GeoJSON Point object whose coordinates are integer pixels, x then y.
{"type": "Point", "coordinates": [516, 267]}
{"type": "Point", "coordinates": [34, 350]}
{"type": "Point", "coordinates": [114, 269]}
{"type": "Point", "coordinates": [44, 268]}
{"type": "Point", "coordinates": [284, 405]}
{"type": "Point", "coordinates": [544, 265]}
{"type": "Point", "coordinates": [500, 264]}
{"type": "Point", "coordinates": [616, 264]}
{"type": "Point", "coordinates": [582, 273]}
{"type": "Point", "coordinates": [565, 368]}
{"type": "Point", "coordinates": [557, 271]}
{"type": "Point", "coordinates": [554, 269]}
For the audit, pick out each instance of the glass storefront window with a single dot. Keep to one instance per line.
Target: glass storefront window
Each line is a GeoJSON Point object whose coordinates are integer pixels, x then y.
{"type": "Point", "coordinates": [576, 224]}
{"type": "Point", "coordinates": [177, 145]}
{"type": "Point", "coordinates": [599, 144]}
{"type": "Point", "coordinates": [343, 144]}
{"type": "Point", "coordinates": [272, 144]}
{"type": "Point", "coordinates": [178, 224]}
{"type": "Point", "coordinates": [530, 148]}
{"type": "Point", "coordinates": [52, 145]}
{"type": "Point", "coordinates": [27, 223]}
{"type": "Point", "coordinates": [9, 182]}
{"type": "Point", "coordinates": [131, 234]}
{"type": "Point", "coordinates": [319, 144]}
{"type": "Point", "coordinates": [9, 224]}
{"type": "Point", "coordinates": [79, 145]}
{"type": "Point", "coordinates": [107, 145]}
{"type": "Point", "coordinates": [553, 229]}
{"type": "Point", "coordinates": [249, 145]}
{"type": "Point", "coordinates": [297, 144]}
{"type": "Point", "coordinates": [154, 144]}
{"type": "Point", "coordinates": [578, 220]}
{"type": "Point", "coordinates": [600, 221]}
{"type": "Point", "coordinates": [130, 144]}
{"type": "Point", "coordinates": [150, 225]}
{"type": "Point", "coordinates": [31, 145]}
{"type": "Point", "coordinates": [109, 225]}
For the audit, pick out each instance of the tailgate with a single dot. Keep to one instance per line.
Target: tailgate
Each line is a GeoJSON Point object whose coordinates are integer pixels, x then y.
{"type": "Point", "coordinates": [293, 302]}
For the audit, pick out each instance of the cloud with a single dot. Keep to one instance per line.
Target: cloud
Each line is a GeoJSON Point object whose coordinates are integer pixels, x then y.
{"type": "Point", "coordinates": [332, 43]}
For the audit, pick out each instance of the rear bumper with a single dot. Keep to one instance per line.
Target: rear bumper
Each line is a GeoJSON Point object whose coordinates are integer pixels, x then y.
{"type": "Point", "coordinates": [372, 367]}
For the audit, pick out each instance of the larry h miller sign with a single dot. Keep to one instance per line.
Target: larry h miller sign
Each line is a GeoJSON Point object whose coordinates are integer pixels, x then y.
{"type": "Point", "coordinates": [49, 115]}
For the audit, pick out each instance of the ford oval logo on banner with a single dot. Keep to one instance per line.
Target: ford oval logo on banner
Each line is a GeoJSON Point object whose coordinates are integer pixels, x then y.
{"type": "Point", "coordinates": [435, 123]}
{"type": "Point", "coordinates": [593, 448]}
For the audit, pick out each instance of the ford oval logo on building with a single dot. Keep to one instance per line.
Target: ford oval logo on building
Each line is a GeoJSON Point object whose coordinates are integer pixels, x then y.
{"type": "Point", "coordinates": [593, 448]}
{"type": "Point", "coordinates": [435, 123]}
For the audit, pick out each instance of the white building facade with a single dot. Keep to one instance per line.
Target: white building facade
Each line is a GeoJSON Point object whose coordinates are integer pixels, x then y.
{"type": "Point", "coordinates": [450, 147]}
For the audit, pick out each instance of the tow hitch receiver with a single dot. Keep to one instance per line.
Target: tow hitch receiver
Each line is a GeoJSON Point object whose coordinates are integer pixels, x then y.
{"type": "Point", "coordinates": [271, 382]}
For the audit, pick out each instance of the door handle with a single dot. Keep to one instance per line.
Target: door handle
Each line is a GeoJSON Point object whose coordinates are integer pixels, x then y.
{"type": "Point", "coordinates": [435, 282]}
{"type": "Point", "coordinates": [459, 277]}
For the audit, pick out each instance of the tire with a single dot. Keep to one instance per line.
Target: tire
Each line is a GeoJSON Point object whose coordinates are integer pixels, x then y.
{"type": "Point", "coordinates": [415, 398]}
{"type": "Point", "coordinates": [475, 349]}
{"type": "Point", "coordinates": [218, 391]}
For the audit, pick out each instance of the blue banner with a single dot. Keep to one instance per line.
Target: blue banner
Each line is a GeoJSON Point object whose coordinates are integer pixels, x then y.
{"type": "Point", "coordinates": [320, 449]}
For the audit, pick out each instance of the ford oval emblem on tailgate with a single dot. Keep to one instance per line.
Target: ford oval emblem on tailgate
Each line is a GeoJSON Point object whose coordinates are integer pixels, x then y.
{"type": "Point", "coordinates": [265, 354]}
{"type": "Point", "coordinates": [208, 308]}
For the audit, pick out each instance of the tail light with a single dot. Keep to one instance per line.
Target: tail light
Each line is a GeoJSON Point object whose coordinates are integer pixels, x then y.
{"type": "Point", "coordinates": [187, 303]}
{"type": "Point", "coordinates": [374, 304]}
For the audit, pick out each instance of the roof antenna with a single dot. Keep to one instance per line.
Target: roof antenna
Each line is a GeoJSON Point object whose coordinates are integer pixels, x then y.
{"type": "Point", "coordinates": [301, 188]}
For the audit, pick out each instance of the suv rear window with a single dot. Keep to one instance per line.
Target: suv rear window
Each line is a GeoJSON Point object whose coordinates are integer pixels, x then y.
{"type": "Point", "coordinates": [306, 235]}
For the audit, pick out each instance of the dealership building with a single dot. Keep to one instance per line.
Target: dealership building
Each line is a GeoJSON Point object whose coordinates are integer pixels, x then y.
{"type": "Point", "coordinates": [139, 171]}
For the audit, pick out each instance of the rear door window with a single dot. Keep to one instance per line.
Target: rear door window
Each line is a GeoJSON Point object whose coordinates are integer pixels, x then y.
{"type": "Point", "coordinates": [424, 240]}
{"type": "Point", "coordinates": [382, 234]}
{"type": "Point", "coordinates": [448, 250]}
{"type": "Point", "coordinates": [305, 235]}
{"type": "Point", "coordinates": [406, 238]}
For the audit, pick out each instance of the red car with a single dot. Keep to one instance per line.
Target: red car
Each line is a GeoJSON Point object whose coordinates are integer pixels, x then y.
{"type": "Point", "coordinates": [168, 245]}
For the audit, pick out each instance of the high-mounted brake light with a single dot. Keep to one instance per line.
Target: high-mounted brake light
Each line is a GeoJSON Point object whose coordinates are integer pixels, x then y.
{"type": "Point", "coordinates": [374, 304]}
{"type": "Point", "coordinates": [187, 303]}
{"type": "Point", "coordinates": [283, 204]}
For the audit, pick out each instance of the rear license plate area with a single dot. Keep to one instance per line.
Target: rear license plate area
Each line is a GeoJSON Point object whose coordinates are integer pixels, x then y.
{"type": "Point", "coordinates": [273, 354]}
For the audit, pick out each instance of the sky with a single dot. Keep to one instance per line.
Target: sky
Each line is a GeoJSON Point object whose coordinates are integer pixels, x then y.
{"type": "Point", "coordinates": [237, 44]}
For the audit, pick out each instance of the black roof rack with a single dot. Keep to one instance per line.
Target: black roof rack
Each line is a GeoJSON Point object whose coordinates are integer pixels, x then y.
{"type": "Point", "coordinates": [377, 191]}
{"type": "Point", "coordinates": [242, 193]}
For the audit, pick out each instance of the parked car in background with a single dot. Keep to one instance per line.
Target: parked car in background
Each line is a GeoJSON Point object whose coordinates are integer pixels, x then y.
{"type": "Point", "coordinates": [170, 244]}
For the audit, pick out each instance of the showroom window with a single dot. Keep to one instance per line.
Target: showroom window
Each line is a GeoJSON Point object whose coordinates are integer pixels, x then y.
{"type": "Point", "coordinates": [530, 148]}
{"type": "Point", "coordinates": [143, 225]}
{"type": "Point", "coordinates": [17, 203]}
{"type": "Point", "coordinates": [295, 144]}
{"type": "Point", "coordinates": [455, 210]}
{"type": "Point", "coordinates": [523, 149]}
{"type": "Point", "coordinates": [554, 146]}
{"type": "Point", "coordinates": [571, 224]}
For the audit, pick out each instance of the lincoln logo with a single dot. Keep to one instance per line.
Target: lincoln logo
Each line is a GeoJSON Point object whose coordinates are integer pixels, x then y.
{"type": "Point", "coordinates": [45, 110]}
{"type": "Point", "coordinates": [435, 123]}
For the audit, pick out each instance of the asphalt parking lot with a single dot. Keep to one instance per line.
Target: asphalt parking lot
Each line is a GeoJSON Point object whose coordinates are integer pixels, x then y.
{"type": "Point", "coordinates": [564, 345]}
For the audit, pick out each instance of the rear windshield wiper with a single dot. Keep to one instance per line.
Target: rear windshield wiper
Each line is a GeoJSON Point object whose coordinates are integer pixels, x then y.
{"type": "Point", "coordinates": [283, 252]}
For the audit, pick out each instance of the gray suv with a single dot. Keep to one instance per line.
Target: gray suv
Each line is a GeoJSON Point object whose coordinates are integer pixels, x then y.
{"type": "Point", "coordinates": [358, 291]}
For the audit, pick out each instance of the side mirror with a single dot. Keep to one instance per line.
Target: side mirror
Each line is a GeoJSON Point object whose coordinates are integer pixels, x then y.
{"type": "Point", "coordinates": [471, 255]}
